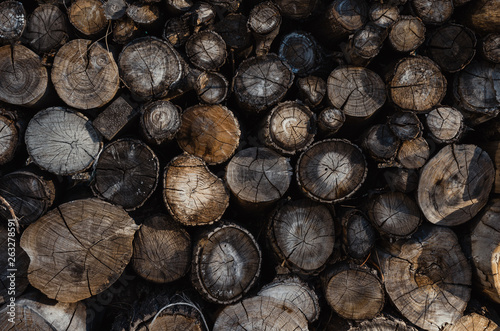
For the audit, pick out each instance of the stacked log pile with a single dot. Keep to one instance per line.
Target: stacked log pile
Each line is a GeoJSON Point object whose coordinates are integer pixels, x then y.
{"type": "Point", "coordinates": [250, 165]}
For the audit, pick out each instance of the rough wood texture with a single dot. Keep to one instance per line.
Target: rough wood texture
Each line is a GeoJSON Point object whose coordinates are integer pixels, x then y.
{"type": "Point", "coordinates": [454, 185]}
{"type": "Point", "coordinates": [383, 15]}
{"type": "Point", "coordinates": [383, 323]}
{"type": "Point", "coordinates": [126, 173]}
{"type": "Point", "coordinates": [405, 125]}
{"type": "Point", "coordinates": [115, 9]}
{"type": "Point", "coordinates": [160, 121]}
{"type": "Point", "coordinates": [364, 45]}
{"type": "Point", "coordinates": [206, 50]}
{"type": "Point", "coordinates": [23, 78]}
{"type": "Point", "coordinates": [289, 128]}
{"type": "Point", "coordinates": [473, 322]}
{"type": "Point", "coordinates": [87, 16]}
{"type": "Point", "coordinates": [202, 15]}
{"type": "Point", "coordinates": [312, 89]}
{"type": "Point", "coordinates": [193, 194]}
{"type": "Point", "coordinates": [427, 277]}
{"type": "Point", "coordinates": [124, 30]}
{"type": "Point", "coordinates": [343, 17]}
{"type": "Point", "coordinates": [9, 138]}
{"type": "Point", "coordinates": [357, 91]}
{"type": "Point", "coordinates": [210, 132]}
{"type": "Point", "coordinates": [413, 154]}
{"type": "Point", "coordinates": [394, 214]}
{"type": "Point", "coordinates": [445, 124]}
{"type": "Point", "coordinates": [176, 31]}
{"type": "Point", "coordinates": [261, 82]}
{"type": "Point", "coordinates": [264, 21]}
{"type": "Point", "coordinates": [258, 175]}
{"type": "Point", "coordinates": [302, 235]}
{"type": "Point", "coordinates": [260, 313]}
{"type": "Point", "coordinates": [143, 13]}
{"type": "Point", "coordinates": [85, 74]}
{"type": "Point", "coordinates": [12, 20]}
{"type": "Point", "coordinates": [78, 249]}
{"type": "Point", "coordinates": [114, 118]}
{"type": "Point", "coordinates": [20, 261]}
{"type": "Point", "coordinates": [490, 47]}
{"type": "Point", "coordinates": [296, 9]}
{"type": "Point", "coordinates": [433, 11]}
{"type": "Point", "coordinates": [401, 179]}
{"type": "Point", "coordinates": [407, 34]}
{"type": "Point", "coordinates": [381, 143]}
{"type": "Point", "coordinates": [417, 84]}
{"type": "Point", "coordinates": [493, 149]}
{"type": "Point", "coordinates": [149, 67]}
{"type": "Point", "coordinates": [485, 249]}
{"type": "Point", "coordinates": [234, 30]}
{"type": "Point", "coordinates": [46, 29]}
{"type": "Point", "coordinates": [70, 144]}
{"type": "Point", "coordinates": [162, 250]}
{"type": "Point", "coordinates": [301, 52]}
{"type": "Point", "coordinates": [226, 263]}
{"type": "Point", "coordinates": [331, 170]}
{"type": "Point", "coordinates": [353, 292]}
{"type": "Point", "coordinates": [211, 87]}
{"type": "Point", "coordinates": [330, 120]}
{"type": "Point", "coordinates": [358, 235]}
{"type": "Point", "coordinates": [483, 16]}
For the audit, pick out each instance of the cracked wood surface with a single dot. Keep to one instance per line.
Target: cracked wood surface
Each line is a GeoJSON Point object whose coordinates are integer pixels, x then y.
{"type": "Point", "coordinates": [206, 50]}
{"type": "Point", "coordinates": [358, 234]}
{"type": "Point", "coordinates": [160, 121]}
{"type": "Point", "coordinates": [473, 322]}
{"type": "Point", "coordinates": [433, 11]}
{"type": "Point", "coordinates": [381, 143]}
{"type": "Point", "coordinates": [383, 323]}
{"type": "Point", "coordinates": [9, 138]}
{"type": "Point", "coordinates": [87, 16]}
{"type": "Point", "coordinates": [47, 28]}
{"type": "Point", "coordinates": [383, 15]}
{"type": "Point", "coordinates": [407, 34]}
{"type": "Point", "coordinates": [445, 124]}
{"type": "Point", "coordinates": [405, 125]}
{"type": "Point", "coordinates": [413, 154]}
{"type": "Point", "coordinates": [343, 17]}
{"type": "Point", "coordinates": [212, 87]}
{"type": "Point", "coordinates": [312, 90]}
{"type": "Point", "coordinates": [78, 249]}
{"type": "Point", "coordinates": [330, 120]}
{"type": "Point", "coordinates": [301, 52]}
{"type": "Point", "coordinates": [12, 20]}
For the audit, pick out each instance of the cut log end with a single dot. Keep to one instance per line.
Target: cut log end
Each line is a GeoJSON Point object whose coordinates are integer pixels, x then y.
{"type": "Point", "coordinates": [88, 16]}
{"type": "Point", "coordinates": [160, 121]}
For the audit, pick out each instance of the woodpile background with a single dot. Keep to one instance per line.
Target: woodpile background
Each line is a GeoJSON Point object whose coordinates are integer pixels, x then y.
{"type": "Point", "coordinates": [250, 165]}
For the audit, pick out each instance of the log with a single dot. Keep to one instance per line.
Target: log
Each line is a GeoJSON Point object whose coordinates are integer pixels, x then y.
{"type": "Point", "coordinates": [160, 121]}
{"type": "Point", "coordinates": [445, 124]}
{"type": "Point", "coordinates": [162, 250]}
{"type": "Point", "coordinates": [206, 50]}
{"type": "Point", "coordinates": [484, 248]}
{"type": "Point", "coordinates": [483, 16]}
{"type": "Point", "coordinates": [301, 52]}
{"type": "Point", "coordinates": [12, 21]}
{"type": "Point", "coordinates": [226, 263]}
{"type": "Point", "coordinates": [264, 22]}
{"type": "Point", "coordinates": [261, 82]}
{"type": "Point", "coordinates": [353, 292]}
{"type": "Point", "coordinates": [229, 5]}
{"type": "Point", "coordinates": [413, 154]}
{"type": "Point", "coordinates": [234, 30]}
{"type": "Point", "coordinates": [454, 185]}
{"type": "Point", "coordinates": [302, 235]}
{"type": "Point", "coordinates": [260, 313]}
{"type": "Point", "coordinates": [381, 143]}
{"type": "Point", "coordinates": [401, 179]}
{"type": "Point", "coordinates": [330, 120]}
{"type": "Point", "coordinates": [29, 195]}
{"type": "Point", "coordinates": [289, 128]}
{"type": "Point", "coordinates": [331, 170]}
{"type": "Point", "coordinates": [210, 132]}
{"type": "Point", "coordinates": [407, 34]}
{"type": "Point", "coordinates": [405, 125]}
{"type": "Point", "coordinates": [9, 139]}
{"type": "Point", "coordinates": [211, 88]}
{"type": "Point", "coordinates": [179, 5]}
{"type": "Point", "coordinates": [78, 249]}
{"type": "Point", "coordinates": [417, 84]}
{"type": "Point", "coordinates": [258, 176]}
{"type": "Point", "coordinates": [144, 14]}
{"type": "Point", "coordinates": [115, 9]}
{"type": "Point", "coordinates": [358, 235]}
{"type": "Point", "coordinates": [124, 30]}
{"type": "Point", "coordinates": [23, 78]}
{"type": "Point", "coordinates": [176, 31]}
{"type": "Point", "coordinates": [46, 29]}
{"type": "Point", "coordinates": [427, 277]}
{"type": "Point", "coordinates": [295, 294]}
{"type": "Point", "coordinates": [126, 173]}
{"type": "Point", "coordinates": [357, 91]}
{"type": "Point", "coordinates": [70, 144]}
{"type": "Point", "coordinates": [490, 47]}
{"type": "Point", "coordinates": [193, 195]}
{"type": "Point", "coordinates": [471, 322]}
{"type": "Point", "coordinates": [343, 17]}
{"type": "Point", "coordinates": [383, 323]}
{"type": "Point", "coordinates": [202, 15]}
{"type": "Point", "coordinates": [297, 10]}
{"type": "Point", "coordinates": [383, 15]}
{"type": "Point", "coordinates": [87, 16]}
{"type": "Point", "coordinates": [433, 11]}
{"type": "Point", "coordinates": [493, 150]}
{"type": "Point", "coordinates": [149, 67]}
{"type": "Point", "coordinates": [394, 214]}
{"type": "Point", "coordinates": [312, 89]}
{"type": "Point", "coordinates": [85, 74]}
{"type": "Point", "coordinates": [114, 118]}
{"type": "Point", "coordinates": [364, 45]}
{"type": "Point", "coordinates": [452, 47]}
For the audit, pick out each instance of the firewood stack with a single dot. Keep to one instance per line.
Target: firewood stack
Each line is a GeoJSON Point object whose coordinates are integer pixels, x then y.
{"type": "Point", "coordinates": [250, 165]}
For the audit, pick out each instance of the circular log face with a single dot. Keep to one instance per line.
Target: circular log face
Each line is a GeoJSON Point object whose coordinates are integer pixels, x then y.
{"type": "Point", "coordinates": [491, 47]}
{"type": "Point", "coordinates": [206, 50]}
{"type": "Point", "coordinates": [264, 18]}
{"type": "Point", "coordinates": [350, 15]}
{"type": "Point", "coordinates": [407, 34]}
{"type": "Point", "coordinates": [454, 185]}
{"type": "Point", "coordinates": [299, 50]}
{"type": "Point", "coordinates": [358, 235]}
{"type": "Point", "coordinates": [413, 153]}
{"type": "Point", "coordinates": [383, 15]}
{"type": "Point", "coordinates": [78, 249]}
{"type": "Point", "coordinates": [433, 11]}
{"type": "Point", "coordinates": [473, 322]}
{"type": "Point", "coordinates": [160, 121]}
{"type": "Point", "coordinates": [149, 67]}
{"type": "Point", "coordinates": [87, 16]}
{"type": "Point", "coordinates": [258, 175]}
{"type": "Point", "coordinates": [84, 74]}
{"type": "Point", "coordinates": [358, 91]}
{"type": "Point", "coordinates": [70, 144]}
{"type": "Point", "coordinates": [46, 29]}
{"type": "Point", "coordinates": [23, 78]}
{"type": "Point", "coordinates": [445, 124]}
{"type": "Point", "coordinates": [428, 277]}
{"type": "Point", "coordinates": [211, 87]}
{"type": "Point", "coordinates": [12, 20]}
{"type": "Point", "coordinates": [331, 170]}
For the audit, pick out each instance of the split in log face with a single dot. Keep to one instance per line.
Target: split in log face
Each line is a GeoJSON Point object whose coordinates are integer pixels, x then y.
{"type": "Point", "coordinates": [296, 9]}
{"type": "Point", "coordinates": [206, 50]}
{"type": "Point", "coordinates": [433, 11]}
{"type": "Point", "coordinates": [78, 249]}
{"type": "Point", "coordinates": [407, 34]}
{"type": "Point", "coordinates": [115, 9]}
{"type": "Point", "coordinates": [46, 29]}
{"type": "Point", "coordinates": [212, 87]}
{"type": "Point", "coordinates": [149, 67]}
{"type": "Point", "coordinates": [312, 89]}
{"type": "Point", "coordinates": [381, 143]}
{"type": "Point", "coordinates": [234, 30]}
{"type": "Point", "coordinates": [21, 262]}
{"type": "Point", "coordinates": [126, 173]}
{"type": "Point", "coordinates": [160, 121]}
{"type": "Point", "coordinates": [405, 125]}
{"type": "Point", "coordinates": [178, 318]}
{"type": "Point", "coordinates": [87, 16]}
{"type": "Point", "coordinates": [84, 74]}
{"type": "Point", "coordinates": [490, 47]}
{"type": "Point", "coordinates": [413, 154]}
{"type": "Point", "coordinates": [365, 44]}
{"type": "Point", "coordinates": [23, 78]}
{"type": "Point", "coordinates": [331, 170]}
{"type": "Point", "coordinates": [383, 15]}
{"type": "Point", "coordinates": [445, 124]}
{"type": "Point", "coordinates": [264, 21]}
{"type": "Point", "coordinates": [262, 82]}
{"type": "Point", "coordinates": [12, 20]}
{"type": "Point", "coordinates": [162, 250]}
{"type": "Point", "coordinates": [143, 13]}
{"type": "Point", "coordinates": [383, 324]}
{"type": "Point", "coordinates": [454, 185]}
{"type": "Point", "coordinates": [176, 31]}
{"type": "Point", "coordinates": [193, 194]}
{"type": "Point", "coordinates": [330, 120]}
{"type": "Point", "coordinates": [124, 30]}
{"type": "Point", "coordinates": [300, 51]}
{"type": "Point", "coordinates": [70, 144]}
{"type": "Point", "coordinates": [344, 17]}
{"type": "Point", "coordinates": [302, 235]}
{"type": "Point", "coordinates": [358, 235]}
{"type": "Point", "coordinates": [428, 277]}
{"type": "Point", "coordinates": [9, 138]}
{"type": "Point", "coordinates": [258, 175]}
{"type": "Point", "coordinates": [473, 322]}
{"type": "Point", "coordinates": [210, 132]}
{"type": "Point", "coordinates": [357, 91]}
{"type": "Point", "coordinates": [417, 84]}
{"type": "Point", "coordinates": [226, 264]}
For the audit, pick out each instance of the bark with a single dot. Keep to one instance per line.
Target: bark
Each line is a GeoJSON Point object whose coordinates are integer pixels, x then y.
{"type": "Point", "coordinates": [193, 194]}
{"type": "Point", "coordinates": [176, 31]}
{"type": "Point", "coordinates": [78, 249]}
{"type": "Point", "coordinates": [297, 10]}
{"type": "Point", "coordinates": [413, 154]}
{"type": "Point", "coordinates": [70, 144]}
{"type": "Point", "coordinates": [401, 179]}
{"type": "Point", "coordinates": [330, 120]}
{"type": "Point", "coordinates": [114, 118]}
{"type": "Point", "coordinates": [445, 124]}
{"type": "Point", "coordinates": [206, 50]}
{"type": "Point", "coordinates": [312, 89]}
{"type": "Point", "coordinates": [87, 16]}
{"type": "Point", "coordinates": [383, 15]}
{"type": "Point", "coordinates": [405, 125]}
{"type": "Point", "coordinates": [472, 322]}
{"type": "Point", "coordinates": [483, 16]}
{"type": "Point", "coordinates": [381, 143]}
{"type": "Point", "coordinates": [383, 323]}
{"type": "Point", "coordinates": [226, 263]}
{"type": "Point", "coordinates": [124, 30]}
{"type": "Point", "coordinates": [212, 88]}
{"type": "Point", "coordinates": [407, 34]}
{"type": "Point", "coordinates": [490, 47]}
{"type": "Point", "coordinates": [47, 29]}
{"type": "Point", "coordinates": [160, 121]}
{"type": "Point", "coordinates": [433, 11]}
{"type": "Point", "coordinates": [210, 132]}
{"type": "Point", "coordinates": [12, 21]}
{"type": "Point", "coordinates": [264, 22]}
{"type": "Point", "coordinates": [454, 185]}
{"type": "Point", "coordinates": [301, 52]}
{"type": "Point", "coordinates": [343, 17]}
{"type": "Point", "coordinates": [9, 139]}
{"type": "Point", "coordinates": [358, 235]}
{"type": "Point", "coordinates": [331, 170]}
{"type": "Point", "coordinates": [85, 74]}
